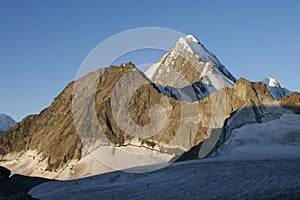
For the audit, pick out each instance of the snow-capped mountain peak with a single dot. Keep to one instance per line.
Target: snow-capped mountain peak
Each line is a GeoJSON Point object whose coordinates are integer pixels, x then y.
{"type": "Point", "coordinates": [192, 38]}
{"type": "Point", "coordinates": [193, 45]}
{"type": "Point", "coordinates": [272, 82]}
{"type": "Point", "coordinates": [203, 73]}
{"type": "Point", "coordinates": [276, 88]}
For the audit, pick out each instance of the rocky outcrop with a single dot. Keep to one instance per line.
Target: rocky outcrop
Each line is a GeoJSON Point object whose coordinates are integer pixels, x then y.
{"type": "Point", "coordinates": [292, 102]}
{"type": "Point", "coordinates": [17, 186]}
{"type": "Point", "coordinates": [51, 133]}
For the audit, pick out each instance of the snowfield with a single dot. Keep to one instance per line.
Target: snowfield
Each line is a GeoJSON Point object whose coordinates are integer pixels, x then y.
{"type": "Point", "coordinates": [275, 139]}
{"type": "Point", "coordinates": [258, 161]}
{"type": "Point", "coordinates": [277, 179]}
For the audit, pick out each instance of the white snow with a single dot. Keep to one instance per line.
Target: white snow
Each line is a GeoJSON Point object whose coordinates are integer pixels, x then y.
{"type": "Point", "coordinates": [258, 161]}
{"type": "Point", "coordinates": [31, 163]}
{"type": "Point", "coordinates": [101, 160]}
{"type": "Point", "coordinates": [186, 180]}
{"type": "Point", "coordinates": [213, 81]}
{"type": "Point", "coordinates": [272, 82]}
{"type": "Point", "coordinates": [275, 139]}
{"type": "Point", "coordinates": [192, 38]}
{"type": "Point", "coordinates": [218, 82]}
{"type": "Point", "coordinates": [150, 71]}
{"type": "Point", "coordinates": [214, 75]}
{"type": "Point", "coordinates": [125, 157]}
{"type": "Point", "coordinates": [194, 46]}
{"type": "Point", "coordinates": [276, 89]}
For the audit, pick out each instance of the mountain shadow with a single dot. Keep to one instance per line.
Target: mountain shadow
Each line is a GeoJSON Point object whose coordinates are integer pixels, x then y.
{"type": "Point", "coordinates": [17, 186]}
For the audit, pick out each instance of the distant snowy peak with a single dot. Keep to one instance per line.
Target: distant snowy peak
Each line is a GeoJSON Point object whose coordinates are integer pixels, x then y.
{"type": "Point", "coordinates": [273, 82]}
{"type": "Point", "coordinates": [276, 88]}
{"type": "Point", "coordinates": [6, 122]}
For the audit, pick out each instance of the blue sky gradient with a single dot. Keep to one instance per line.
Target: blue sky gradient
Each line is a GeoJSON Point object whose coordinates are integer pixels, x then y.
{"type": "Point", "coordinates": [43, 43]}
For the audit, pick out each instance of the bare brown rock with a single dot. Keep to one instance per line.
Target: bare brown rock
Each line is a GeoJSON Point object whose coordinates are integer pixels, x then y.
{"type": "Point", "coordinates": [292, 102]}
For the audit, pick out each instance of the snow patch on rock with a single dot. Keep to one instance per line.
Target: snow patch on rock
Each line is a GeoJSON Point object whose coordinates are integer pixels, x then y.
{"type": "Point", "coordinates": [277, 89]}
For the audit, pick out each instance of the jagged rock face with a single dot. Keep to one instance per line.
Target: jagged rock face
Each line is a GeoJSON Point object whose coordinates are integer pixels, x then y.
{"type": "Point", "coordinates": [139, 103]}
{"type": "Point", "coordinates": [51, 133]}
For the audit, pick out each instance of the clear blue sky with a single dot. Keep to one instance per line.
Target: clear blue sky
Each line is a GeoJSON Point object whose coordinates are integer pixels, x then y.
{"type": "Point", "coordinates": [42, 43]}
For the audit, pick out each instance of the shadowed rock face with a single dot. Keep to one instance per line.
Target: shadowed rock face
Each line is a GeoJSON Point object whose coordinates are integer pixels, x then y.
{"type": "Point", "coordinates": [6, 122]}
{"type": "Point", "coordinates": [53, 133]}
{"type": "Point", "coordinates": [17, 186]}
